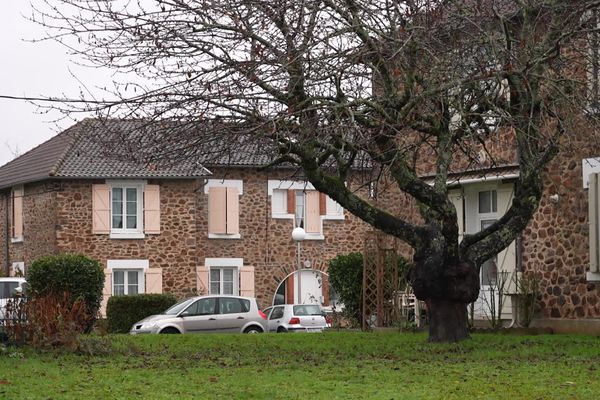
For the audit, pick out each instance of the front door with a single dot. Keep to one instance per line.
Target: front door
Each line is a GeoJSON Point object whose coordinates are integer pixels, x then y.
{"type": "Point", "coordinates": [484, 204]}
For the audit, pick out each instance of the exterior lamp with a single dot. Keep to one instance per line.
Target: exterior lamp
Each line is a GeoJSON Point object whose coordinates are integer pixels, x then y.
{"type": "Point", "coordinates": [298, 235]}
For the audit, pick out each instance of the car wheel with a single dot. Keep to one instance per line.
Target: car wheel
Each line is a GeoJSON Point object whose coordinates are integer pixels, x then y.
{"type": "Point", "coordinates": [281, 329]}
{"type": "Point", "coordinates": [169, 331]}
{"type": "Point", "coordinates": [252, 329]}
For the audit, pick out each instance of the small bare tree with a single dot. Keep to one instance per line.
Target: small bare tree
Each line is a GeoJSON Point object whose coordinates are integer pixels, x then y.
{"type": "Point", "coordinates": [400, 88]}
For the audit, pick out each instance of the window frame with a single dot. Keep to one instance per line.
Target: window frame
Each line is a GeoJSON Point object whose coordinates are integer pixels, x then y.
{"type": "Point", "coordinates": [127, 233]}
{"type": "Point", "coordinates": [139, 266]}
{"type": "Point", "coordinates": [234, 264]}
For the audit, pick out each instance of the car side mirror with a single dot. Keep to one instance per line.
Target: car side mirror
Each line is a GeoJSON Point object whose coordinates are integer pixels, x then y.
{"type": "Point", "coordinates": [184, 314]}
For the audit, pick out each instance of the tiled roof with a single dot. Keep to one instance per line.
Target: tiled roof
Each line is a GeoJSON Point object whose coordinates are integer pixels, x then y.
{"type": "Point", "coordinates": [93, 148]}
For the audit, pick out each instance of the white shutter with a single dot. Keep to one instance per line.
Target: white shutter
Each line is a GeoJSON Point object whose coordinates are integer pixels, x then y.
{"type": "Point", "coordinates": [593, 217]}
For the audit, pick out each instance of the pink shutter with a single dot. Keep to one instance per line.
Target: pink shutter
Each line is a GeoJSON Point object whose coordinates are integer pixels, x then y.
{"type": "Point", "coordinates": [322, 204]}
{"type": "Point", "coordinates": [100, 209]}
{"type": "Point", "coordinates": [247, 281]}
{"type": "Point", "coordinates": [152, 209]}
{"type": "Point", "coordinates": [106, 291]}
{"type": "Point", "coordinates": [313, 215]}
{"type": "Point", "coordinates": [153, 280]}
{"type": "Point", "coordinates": [216, 210]}
{"type": "Point", "coordinates": [233, 211]}
{"type": "Point", "coordinates": [202, 283]}
{"type": "Point", "coordinates": [18, 212]}
{"type": "Point", "coordinates": [291, 201]}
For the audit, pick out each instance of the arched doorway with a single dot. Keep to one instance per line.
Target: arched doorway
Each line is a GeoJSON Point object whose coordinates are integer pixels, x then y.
{"type": "Point", "coordinates": [314, 288]}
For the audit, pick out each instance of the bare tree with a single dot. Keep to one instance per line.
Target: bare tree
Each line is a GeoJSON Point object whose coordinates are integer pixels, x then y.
{"type": "Point", "coordinates": [400, 87]}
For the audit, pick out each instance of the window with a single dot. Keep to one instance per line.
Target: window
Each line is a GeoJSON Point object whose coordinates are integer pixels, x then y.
{"type": "Point", "coordinates": [276, 313]}
{"type": "Point", "coordinates": [16, 216]}
{"type": "Point", "coordinates": [233, 306]}
{"type": "Point", "coordinates": [223, 208]}
{"type": "Point", "coordinates": [223, 281]}
{"type": "Point", "coordinates": [202, 307]}
{"type": "Point", "coordinates": [489, 269]}
{"type": "Point", "coordinates": [306, 207]}
{"type": "Point", "coordinates": [488, 202]}
{"type": "Point", "coordinates": [126, 209]}
{"type": "Point", "coordinates": [128, 277]}
{"type": "Point", "coordinates": [127, 282]}
{"type": "Point", "coordinates": [8, 289]}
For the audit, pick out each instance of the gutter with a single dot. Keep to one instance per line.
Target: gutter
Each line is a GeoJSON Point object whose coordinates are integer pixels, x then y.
{"type": "Point", "coordinates": [6, 236]}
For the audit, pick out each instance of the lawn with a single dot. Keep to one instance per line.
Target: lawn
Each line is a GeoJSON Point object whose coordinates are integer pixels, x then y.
{"type": "Point", "coordinates": [299, 366]}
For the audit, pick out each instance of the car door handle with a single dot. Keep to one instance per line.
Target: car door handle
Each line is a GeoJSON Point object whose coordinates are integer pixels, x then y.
{"type": "Point", "coordinates": [212, 319]}
{"type": "Point", "coordinates": [240, 317]}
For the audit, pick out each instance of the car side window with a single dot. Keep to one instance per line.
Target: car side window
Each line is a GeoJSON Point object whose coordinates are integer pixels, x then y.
{"type": "Point", "coordinates": [276, 313]}
{"type": "Point", "coordinates": [202, 307]}
{"type": "Point", "coordinates": [229, 305]}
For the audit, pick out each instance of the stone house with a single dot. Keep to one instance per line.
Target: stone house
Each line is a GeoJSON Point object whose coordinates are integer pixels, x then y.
{"type": "Point", "coordinates": [181, 229]}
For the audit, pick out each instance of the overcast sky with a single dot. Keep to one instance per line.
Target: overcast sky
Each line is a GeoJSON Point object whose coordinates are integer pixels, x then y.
{"type": "Point", "coordinates": [33, 69]}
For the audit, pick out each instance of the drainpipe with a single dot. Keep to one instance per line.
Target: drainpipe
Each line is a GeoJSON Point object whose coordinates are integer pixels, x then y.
{"type": "Point", "coordinates": [6, 235]}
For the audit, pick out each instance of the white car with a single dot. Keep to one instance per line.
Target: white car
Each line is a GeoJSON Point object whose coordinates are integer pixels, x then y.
{"type": "Point", "coordinates": [10, 288]}
{"type": "Point", "coordinates": [297, 318]}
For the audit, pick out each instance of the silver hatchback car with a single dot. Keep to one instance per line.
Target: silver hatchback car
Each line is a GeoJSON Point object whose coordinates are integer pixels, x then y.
{"type": "Point", "coordinates": [297, 318]}
{"type": "Point", "coordinates": [206, 314]}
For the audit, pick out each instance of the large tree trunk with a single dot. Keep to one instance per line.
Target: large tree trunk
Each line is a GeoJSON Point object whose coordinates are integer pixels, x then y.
{"type": "Point", "coordinates": [447, 287]}
{"type": "Point", "coordinates": [447, 320]}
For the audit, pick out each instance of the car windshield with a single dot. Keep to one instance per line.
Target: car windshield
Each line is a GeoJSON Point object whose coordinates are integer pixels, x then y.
{"type": "Point", "coordinates": [179, 307]}
{"type": "Point", "coordinates": [307, 310]}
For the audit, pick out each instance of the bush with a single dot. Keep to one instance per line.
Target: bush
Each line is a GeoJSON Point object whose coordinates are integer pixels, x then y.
{"type": "Point", "coordinates": [346, 276]}
{"type": "Point", "coordinates": [46, 321]}
{"type": "Point", "coordinates": [79, 276]}
{"type": "Point", "coordinates": [124, 311]}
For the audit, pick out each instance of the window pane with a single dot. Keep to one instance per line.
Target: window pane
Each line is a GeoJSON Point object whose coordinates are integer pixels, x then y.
{"type": "Point", "coordinates": [228, 275]}
{"type": "Point", "coordinates": [131, 194]}
{"type": "Point", "coordinates": [132, 277]}
{"type": "Point", "coordinates": [206, 306]}
{"type": "Point", "coordinates": [227, 287]}
{"type": "Point", "coordinates": [132, 289]}
{"type": "Point", "coordinates": [214, 288]}
{"type": "Point", "coordinates": [119, 277]}
{"type": "Point", "coordinates": [132, 222]}
{"type": "Point", "coordinates": [119, 290]}
{"type": "Point", "coordinates": [484, 202]}
{"type": "Point", "coordinates": [300, 208]}
{"type": "Point", "coordinates": [117, 194]}
{"type": "Point", "coordinates": [131, 208]}
{"type": "Point", "coordinates": [489, 272]}
{"type": "Point", "coordinates": [117, 221]}
{"type": "Point", "coordinates": [215, 275]}
{"type": "Point", "coordinates": [230, 306]}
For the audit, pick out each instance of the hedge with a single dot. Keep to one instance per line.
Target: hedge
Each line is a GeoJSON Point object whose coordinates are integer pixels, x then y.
{"type": "Point", "coordinates": [79, 276]}
{"type": "Point", "coordinates": [124, 311]}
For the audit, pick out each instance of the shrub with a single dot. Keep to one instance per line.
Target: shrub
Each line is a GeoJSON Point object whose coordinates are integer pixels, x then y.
{"type": "Point", "coordinates": [46, 321]}
{"type": "Point", "coordinates": [346, 276]}
{"type": "Point", "coordinates": [124, 311]}
{"type": "Point", "coordinates": [80, 276]}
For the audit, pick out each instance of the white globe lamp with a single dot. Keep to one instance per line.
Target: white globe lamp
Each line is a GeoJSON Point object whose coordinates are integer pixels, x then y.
{"type": "Point", "coordinates": [298, 234]}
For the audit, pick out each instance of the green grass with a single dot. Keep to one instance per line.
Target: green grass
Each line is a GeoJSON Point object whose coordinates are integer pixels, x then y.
{"type": "Point", "coordinates": [308, 366]}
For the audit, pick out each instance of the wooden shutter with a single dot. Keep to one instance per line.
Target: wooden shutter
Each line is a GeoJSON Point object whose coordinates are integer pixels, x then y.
{"type": "Point", "coordinates": [593, 203]}
{"type": "Point", "coordinates": [100, 209]}
{"type": "Point", "coordinates": [17, 212]}
{"type": "Point", "coordinates": [247, 281]}
{"type": "Point", "coordinates": [153, 280]}
{"type": "Point", "coordinates": [233, 211]}
{"type": "Point", "coordinates": [291, 202]}
{"type": "Point", "coordinates": [457, 199]}
{"type": "Point", "coordinates": [152, 209]}
{"type": "Point", "coordinates": [106, 291]}
{"type": "Point", "coordinates": [322, 204]}
{"type": "Point", "coordinates": [313, 216]}
{"type": "Point", "coordinates": [289, 290]}
{"type": "Point", "coordinates": [202, 282]}
{"type": "Point", "coordinates": [217, 218]}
